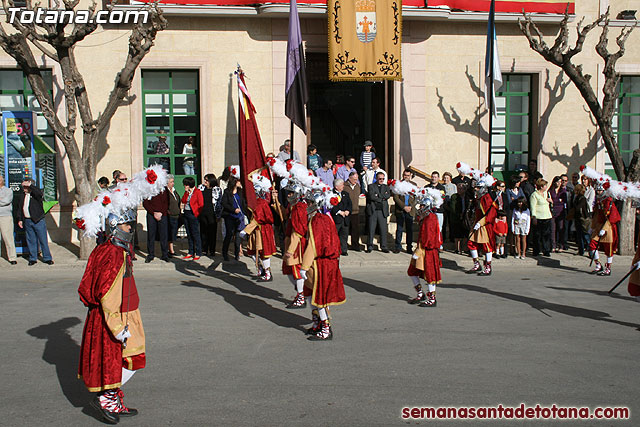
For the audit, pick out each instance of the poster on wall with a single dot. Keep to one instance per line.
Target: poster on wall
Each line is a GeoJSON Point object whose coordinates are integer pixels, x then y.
{"type": "Point", "coordinates": [17, 134]}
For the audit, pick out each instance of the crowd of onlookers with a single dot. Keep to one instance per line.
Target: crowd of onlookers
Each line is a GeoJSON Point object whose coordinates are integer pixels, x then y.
{"type": "Point", "coordinates": [532, 212]}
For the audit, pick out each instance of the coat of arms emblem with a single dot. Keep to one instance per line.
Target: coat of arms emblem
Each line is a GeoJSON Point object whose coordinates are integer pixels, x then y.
{"type": "Point", "coordinates": [366, 20]}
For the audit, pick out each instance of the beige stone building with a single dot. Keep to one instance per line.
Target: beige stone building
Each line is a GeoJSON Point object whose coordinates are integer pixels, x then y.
{"type": "Point", "coordinates": [431, 119]}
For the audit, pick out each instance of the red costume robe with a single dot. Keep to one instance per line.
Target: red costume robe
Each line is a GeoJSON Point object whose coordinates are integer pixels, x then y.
{"type": "Point", "coordinates": [634, 280]}
{"type": "Point", "coordinates": [605, 217]}
{"type": "Point", "coordinates": [295, 239]}
{"type": "Point", "coordinates": [260, 229]}
{"type": "Point", "coordinates": [484, 237]}
{"type": "Point", "coordinates": [427, 266]}
{"type": "Point", "coordinates": [109, 291]}
{"type": "Point", "coordinates": [321, 260]}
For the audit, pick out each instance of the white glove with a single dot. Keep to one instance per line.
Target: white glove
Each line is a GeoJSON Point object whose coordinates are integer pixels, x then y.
{"type": "Point", "coordinates": [602, 233]}
{"type": "Point", "coordinates": [303, 274]}
{"type": "Point", "coordinates": [415, 256]}
{"type": "Point", "coordinates": [243, 234]}
{"type": "Point", "coordinates": [636, 266]}
{"type": "Point", "coordinates": [123, 335]}
{"type": "Point", "coordinates": [477, 226]}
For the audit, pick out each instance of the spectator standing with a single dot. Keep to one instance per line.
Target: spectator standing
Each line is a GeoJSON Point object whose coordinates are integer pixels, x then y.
{"type": "Point", "coordinates": [534, 175]}
{"type": "Point", "coordinates": [568, 212]}
{"type": "Point", "coordinates": [157, 209]}
{"type": "Point", "coordinates": [526, 186]}
{"type": "Point", "coordinates": [193, 203]}
{"type": "Point", "coordinates": [520, 224]}
{"type": "Point", "coordinates": [286, 153]}
{"type": "Point", "coordinates": [162, 148]}
{"type": "Point", "coordinates": [234, 210]}
{"type": "Point", "coordinates": [30, 215]}
{"type": "Point", "coordinates": [559, 212]}
{"type": "Point", "coordinates": [352, 187]}
{"type": "Point", "coordinates": [338, 164]}
{"type": "Point", "coordinates": [582, 218]}
{"type": "Point", "coordinates": [501, 229]}
{"type": "Point", "coordinates": [212, 198]}
{"type": "Point", "coordinates": [541, 218]}
{"type": "Point", "coordinates": [325, 173]}
{"type": "Point", "coordinates": [103, 183]}
{"type": "Point", "coordinates": [188, 163]}
{"type": "Point", "coordinates": [370, 176]}
{"type": "Point", "coordinates": [510, 197]}
{"type": "Point", "coordinates": [449, 190]}
{"type": "Point", "coordinates": [6, 221]}
{"type": "Point", "coordinates": [367, 156]}
{"type": "Point", "coordinates": [378, 196]}
{"type": "Point", "coordinates": [314, 160]}
{"type": "Point", "coordinates": [344, 171]}
{"type": "Point", "coordinates": [405, 211]}
{"type": "Point", "coordinates": [341, 214]}
{"type": "Point", "coordinates": [457, 207]}
{"type": "Point", "coordinates": [461, 179]}
{"type": "Point", "coordinates": [173, 213]}
{"type": "Point", "coordinates": [435, 184]}
{"type": "Point", "coordinates": [589, 192]}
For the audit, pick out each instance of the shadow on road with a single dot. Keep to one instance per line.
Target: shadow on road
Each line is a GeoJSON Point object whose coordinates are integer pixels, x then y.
{"type": "Point", "coordinates": [555, 264]}
{"type": "Point", "coordinates": [62, 351]}
{"type": "Point", "coordinates": [450, 264]}
{"type": "Point", "coordinates": [541, 305]}
{"type": "Point", "coordinates": [593, 291]}
{"type": "Point", "coordinates": [368, 288]}
{"type": "Point", "coordinates": [247, 305]}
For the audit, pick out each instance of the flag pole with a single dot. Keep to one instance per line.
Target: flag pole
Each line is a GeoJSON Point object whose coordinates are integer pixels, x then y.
{"type": "Point", "coordinates": [491, 93]}
{"type": "Point", "coordinates": [291, 138]}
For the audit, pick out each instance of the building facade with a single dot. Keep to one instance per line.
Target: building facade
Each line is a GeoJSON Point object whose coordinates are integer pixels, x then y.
{"type": "Point", "coordinates": [436, 116]}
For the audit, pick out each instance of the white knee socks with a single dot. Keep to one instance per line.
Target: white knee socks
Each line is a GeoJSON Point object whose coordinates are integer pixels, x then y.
{"type": "Point", "coordinates": [474, 254]}
{"type": "Point", "coordinates": [322, 312]}
{"type": "Point", "coordinates": [596, 255]}
{"type": "Point", "coordinates": [609, 259]}
{"type": "Point", "coordinates": [266, 263]}
{"type": "Point", "coordinates": [487, 256]}
{"type": "Point", "coordinates": [300, 285]}
{"type": "Point", "coordinates": [126, 375]}
{"type": "Point", "coordinates": [415, 280]}
{"type": "Point", "coordinates": [431, 288]}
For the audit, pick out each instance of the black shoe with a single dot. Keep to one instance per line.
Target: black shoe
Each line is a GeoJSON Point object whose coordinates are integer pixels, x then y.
{"type": "Point", "coordinates": [344, 254]}
{"type": "Point", "coordinates": [410, 251]}
{"type": "Point", "coordinates": [107, 417]}
{"type": "Point", "coordinates": [33, 262]}
{"type": "Point", "coordinates": [546, 254]}
{"type": "Point", "coordinates": [50, 262]}
{"type": "Point", "coordinates": [396, 251]}
{"type": "Point", "coordinates": [13, 262]}
{"type": "Point", "coordinates": [225, 258]}
{"type": "Point", "coordinates": [148, 259]}
{"type": "Point", "coordinates": [237, 257]}
{"type": "Point", "coordinates": [128, 412]}
{"type": "Point", "coordinates": [385, 251]}
{"type": "Point", "coordinates": [368, 250]}
{"type": "Point", "coordinates": [165, 258]}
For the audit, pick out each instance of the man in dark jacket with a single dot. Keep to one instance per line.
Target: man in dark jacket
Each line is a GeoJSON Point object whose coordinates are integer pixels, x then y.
{"type": "Point", "coordinates": [378, 195]}
{"type": "Point", "coordinates": [340, 213]}
{"type": "Point", "coordinates": [30, 216]}
{"type": "Point", "coordinates": [405, 210]}
{"type": "Point", "coordinates": [157, 223]}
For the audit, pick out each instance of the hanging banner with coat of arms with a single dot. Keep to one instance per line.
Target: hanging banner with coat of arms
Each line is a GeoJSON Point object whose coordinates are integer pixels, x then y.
{"type": "Point", "coordinates": [365, 37]}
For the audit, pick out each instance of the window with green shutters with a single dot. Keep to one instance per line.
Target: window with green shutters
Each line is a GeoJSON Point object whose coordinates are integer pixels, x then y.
{"type": "Point", "coordinates": [171, 119]}
{"type": "Point", "coordinates": [626, 122]}
{"type": "Point", "coordinates": [511, 131]}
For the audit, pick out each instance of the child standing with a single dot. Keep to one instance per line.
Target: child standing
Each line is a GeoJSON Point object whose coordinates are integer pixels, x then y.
{"type": "Point", "coordinates": [520, 224]}
{"type": "Point", "coordinates": [367, 155]}
{"type": "Point", "coordinates": [314, 161]}
{"type": "Point", "coordinates": [501, 228]}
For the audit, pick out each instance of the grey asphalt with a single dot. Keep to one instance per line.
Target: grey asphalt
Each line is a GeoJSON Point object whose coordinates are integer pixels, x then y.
{"type": "Point", "coordinates": [223, 350]}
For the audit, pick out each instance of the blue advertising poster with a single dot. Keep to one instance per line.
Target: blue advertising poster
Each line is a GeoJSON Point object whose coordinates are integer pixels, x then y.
{"type": "Point", "coordinates": [19, 157]}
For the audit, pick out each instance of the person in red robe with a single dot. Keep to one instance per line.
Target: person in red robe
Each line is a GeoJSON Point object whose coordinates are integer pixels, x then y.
{"type": "Point", "coordinates": [113, 340]}
{"type": "Point", "coordinates": [262, 243]}
{"type": "Point", "coordinates": [425, 262]}
{"type": "Point", "coordinates": [605, 231]}
{"type": "Point", "coordinates": [321, 271]}
{"type": "Point", "coordinates": [482, 236]}
{"type": "Point", "coordinates": [295, 245]}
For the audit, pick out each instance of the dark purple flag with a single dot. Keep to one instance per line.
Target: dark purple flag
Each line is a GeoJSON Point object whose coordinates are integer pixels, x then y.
{"type": "Point", "coordinates": [296, 94]}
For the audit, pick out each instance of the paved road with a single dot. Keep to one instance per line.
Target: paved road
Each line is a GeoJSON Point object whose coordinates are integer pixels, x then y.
{"type": "Point", "coordinates": [222, 350]}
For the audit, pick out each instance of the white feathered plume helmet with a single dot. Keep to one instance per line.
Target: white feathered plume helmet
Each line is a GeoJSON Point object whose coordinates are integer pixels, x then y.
{"type": "Point", "coordinates": [426, 196]}
{"type": "Point", "coordinates": [482, 179]}
{"type": "Point", "coordinates": [617, 189]}
{"type": "Point", "coordinates": [234, 170]}
{"type": "Point", "coordinates": [261, 184]}
{"type": "Point", "coordinates": [91, 217]}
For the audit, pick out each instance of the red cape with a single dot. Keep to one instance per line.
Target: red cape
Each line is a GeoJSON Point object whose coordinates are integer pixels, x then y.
{"type": "Point", "coordinates": [100, 364]}
{"type": "Point", "coordinates": [264, 216]}
{"type": "Point", "coordinates": [430, 239]}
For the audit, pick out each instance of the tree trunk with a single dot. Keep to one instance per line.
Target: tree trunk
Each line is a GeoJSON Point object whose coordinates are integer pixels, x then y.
{"type": "Point", "coordinates": [627, 228]}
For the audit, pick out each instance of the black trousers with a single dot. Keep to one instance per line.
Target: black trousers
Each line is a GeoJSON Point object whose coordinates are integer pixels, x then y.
{"type": "Point", "coordinates": [161, 228]}
{"type": "Point", "coordinates": [343, 235]}
{"type": "Point", "coordinates": [542, 237]}
{"type": "Point", "coordinates": [231, 225]}
{"type": "Point", "coordinates": [378, 220]}
{"type": "Point", "coordinates": [208, 234]}
{"type": "Point", "coordinates": [354, 219]}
